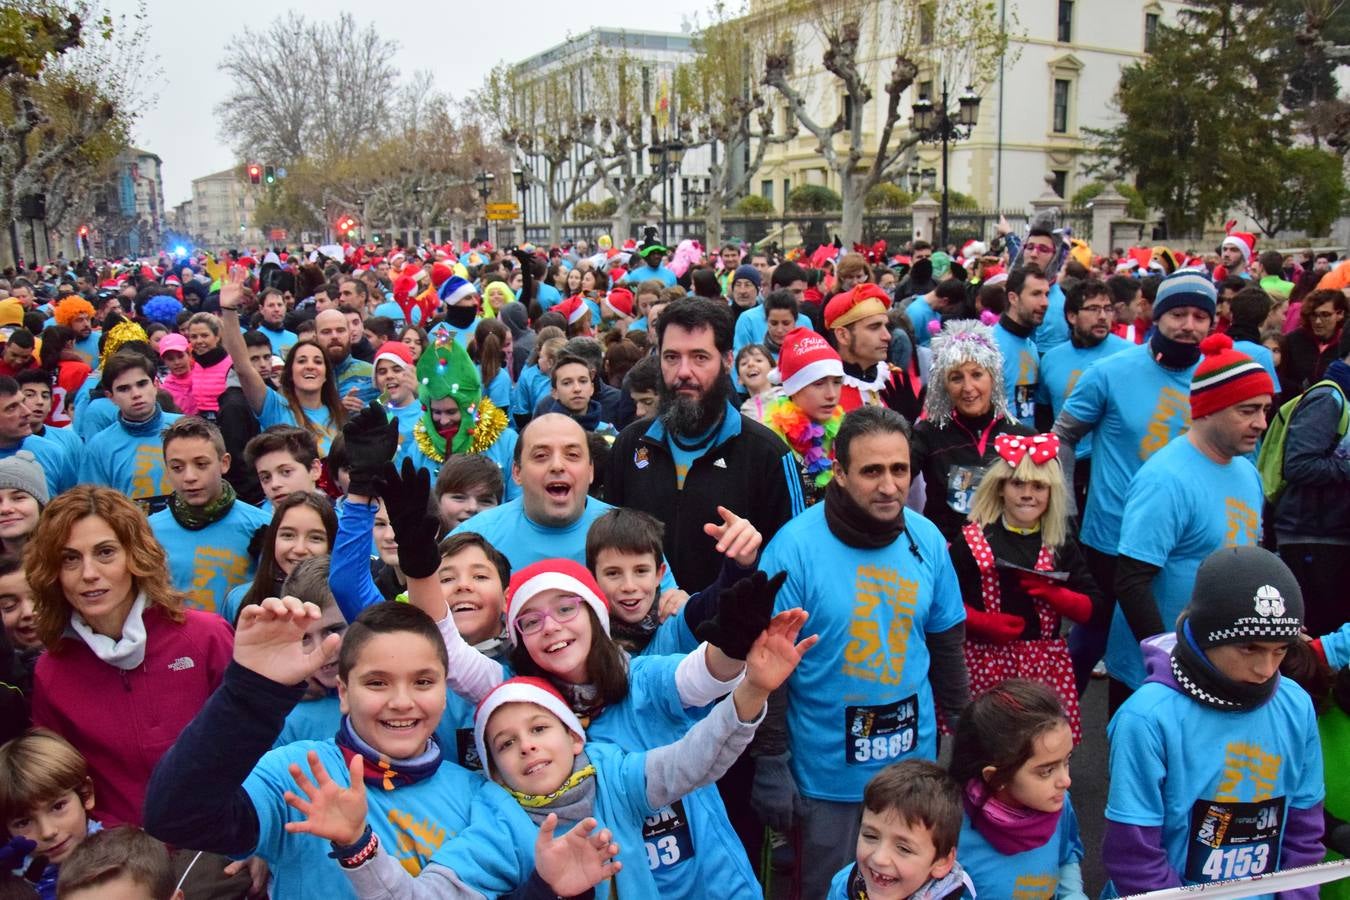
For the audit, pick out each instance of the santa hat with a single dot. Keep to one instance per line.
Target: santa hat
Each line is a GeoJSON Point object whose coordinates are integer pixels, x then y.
{"type": "Point", "coordinates": [396, 352]}
{"type": "Point", "coordinates": [864, 300]}
{"type": "Point", "coordinates": [521, 689]}
{"type": "Point", "coordinates": [572, 309]}
{"type": "Point", "coordinates": [1242, 240]}
{"type": "Point", "coordinates": [553, 575]}
{"type": "Point", "coordinates": [805, 358]}
{"type": "Point", "coordinates": [621, 301]}
{"type": "Point", "coordinates": [1226, 377]}
{"type": "Point", "coordinates": [440, 274]}
{"type": "Point", "coordinates": [404, 285]}
{"type": "Point", "coordinates": [455, 289]}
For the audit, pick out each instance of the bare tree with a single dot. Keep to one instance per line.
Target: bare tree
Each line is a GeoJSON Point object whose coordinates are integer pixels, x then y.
{"type": "Point", "coordinates": [307, 89]}
{"type": "Point", "coordinates": [856, 39]}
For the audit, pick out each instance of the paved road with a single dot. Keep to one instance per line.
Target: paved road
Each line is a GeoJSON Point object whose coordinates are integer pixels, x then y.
{"type": "Point", "coordinates": [1089, 771]}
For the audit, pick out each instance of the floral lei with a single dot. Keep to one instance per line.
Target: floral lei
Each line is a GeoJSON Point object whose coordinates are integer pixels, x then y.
{"type": "Point", "coordinates": [490, 424]}
{"type": "Point", "coordinates": [813, 443]}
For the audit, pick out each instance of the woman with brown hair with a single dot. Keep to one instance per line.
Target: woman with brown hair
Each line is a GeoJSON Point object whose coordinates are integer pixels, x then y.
{"type": "Point", "coordinates": [126, 667]}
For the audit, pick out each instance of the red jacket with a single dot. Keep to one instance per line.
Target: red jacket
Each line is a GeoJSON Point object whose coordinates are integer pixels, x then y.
{"type": "Point", "coordinates": [123, 722]}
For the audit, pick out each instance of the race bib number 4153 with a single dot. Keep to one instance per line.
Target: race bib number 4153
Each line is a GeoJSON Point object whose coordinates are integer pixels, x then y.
{"type": "Point", "coordinates": [1234, 840]}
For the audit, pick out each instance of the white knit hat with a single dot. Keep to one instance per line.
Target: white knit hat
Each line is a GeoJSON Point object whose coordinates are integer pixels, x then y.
{"type": "Point", "coordinates": [521, 689]}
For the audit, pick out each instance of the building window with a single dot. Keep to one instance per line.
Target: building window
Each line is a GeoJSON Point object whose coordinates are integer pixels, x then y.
{"type": "Point", "coordinates": [927, 13]}
{"type": "Point", "coordinates": [1065, 29]}
{"type": "Point", "coordinates": [766, 189]}
{"type": "Point", "coordinates": [1061, 121]}
{"type": "Point", "coordinates": [1150, 31]}
{"type": "Point", "coordinates": [1061, 177]}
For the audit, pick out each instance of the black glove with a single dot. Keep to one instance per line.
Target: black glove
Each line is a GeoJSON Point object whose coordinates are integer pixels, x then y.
{"type": "Point", "coordinates": [897, 396]}
{"type": "Point", "coordinates": [773, 792]}
{"type": "Point", "coordinates": [743, 612]}
{"type": "Point", "coordinates": [407, 499]}
{"type": "Point", "coordinates": [371, 438]}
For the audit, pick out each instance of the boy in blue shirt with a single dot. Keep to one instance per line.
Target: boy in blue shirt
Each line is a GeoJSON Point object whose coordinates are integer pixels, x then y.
{"type": "Point", "coordinates": [206, 529]}
{"type": "Point", "coordinates": [127, 455]}
{"type": "Point", "coordinates": [1216, 763]}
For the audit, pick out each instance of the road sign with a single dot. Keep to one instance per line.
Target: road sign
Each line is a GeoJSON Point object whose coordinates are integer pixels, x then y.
{"type": "Point", "coordinates": [277, 234]}
{"type": "Point", "coordinates": [503, 212]}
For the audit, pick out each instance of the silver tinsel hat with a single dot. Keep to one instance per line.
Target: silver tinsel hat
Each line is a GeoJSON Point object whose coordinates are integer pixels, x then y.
{"type": "Point", "coordinates": [959, 342]}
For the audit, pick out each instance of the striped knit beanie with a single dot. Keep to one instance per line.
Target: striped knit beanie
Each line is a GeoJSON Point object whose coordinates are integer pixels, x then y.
{"type": "Point", "coordinates": [1189, 287]}
{"type": "Point", "coordinates": [1225, 377]}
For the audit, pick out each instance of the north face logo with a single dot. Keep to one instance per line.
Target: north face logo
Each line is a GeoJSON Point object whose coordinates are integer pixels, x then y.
{"type": "Point", "coordinates": [182, 664]}
{"type": "Point", "coordinates": [1269, 602]}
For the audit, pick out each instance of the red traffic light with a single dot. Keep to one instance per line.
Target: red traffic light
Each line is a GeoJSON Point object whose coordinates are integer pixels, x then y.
{"type": "Point", "coordinates": [255, 174]}
{"type": "Point", "coordinates": [84, 231]}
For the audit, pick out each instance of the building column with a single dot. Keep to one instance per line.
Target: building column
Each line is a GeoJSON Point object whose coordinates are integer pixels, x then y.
{"type": "Point", "coordinates": [1108, 207]}
{"type": "Point", "coordinates": [925, 211]}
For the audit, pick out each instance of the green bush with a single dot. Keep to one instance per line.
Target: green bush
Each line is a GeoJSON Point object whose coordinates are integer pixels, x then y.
{"type": "Point", "coordinates": [813, 198]}
{"type": "Point", "coordinates": [888, 196]}
{"type": "Point", "coordinates": [754, 205]}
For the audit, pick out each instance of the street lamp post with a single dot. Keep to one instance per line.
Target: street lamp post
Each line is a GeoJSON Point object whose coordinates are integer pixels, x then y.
{"type": "Point", "coordinates": [484, 181]}
{"type": "Point", "coordinates": [665, 157]}
{"type": "Point", "coordinates": [521, 184]}
{"type": "Point", "coordinates": [945, 125]}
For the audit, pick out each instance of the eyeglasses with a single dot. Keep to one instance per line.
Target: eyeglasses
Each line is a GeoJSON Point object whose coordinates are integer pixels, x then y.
{"type": "Point", "coordinates": [1039, 248]}
{"type": "Point", "coordinates": [564, 610]}
{"type": "Point", "coordinates": [1097, 310]}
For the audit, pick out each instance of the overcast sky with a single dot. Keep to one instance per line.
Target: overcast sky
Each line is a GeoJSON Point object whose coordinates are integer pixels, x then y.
{"type": "Point", "coordinates": [458, 42]}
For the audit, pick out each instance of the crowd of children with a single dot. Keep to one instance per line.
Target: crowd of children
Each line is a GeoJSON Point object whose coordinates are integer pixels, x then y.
{"type": "Point", "coordinates": [469, 575]}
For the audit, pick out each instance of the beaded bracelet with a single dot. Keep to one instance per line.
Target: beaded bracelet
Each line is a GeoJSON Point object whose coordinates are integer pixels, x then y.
{"type": "Point", "coordinates": [350, 856]}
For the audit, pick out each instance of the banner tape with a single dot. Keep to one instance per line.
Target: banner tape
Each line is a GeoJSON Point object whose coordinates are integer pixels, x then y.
{"type": "Point", "coordinates": [1272, 883]}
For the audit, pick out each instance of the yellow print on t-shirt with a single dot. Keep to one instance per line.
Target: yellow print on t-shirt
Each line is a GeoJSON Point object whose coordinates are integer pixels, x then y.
{"type": "Point", "coordinates": [1249, 774]}
{"type": "Point", "coordinates": [1072, 382]}
{"type": "Point", "coordinates": [1243, 524]}
{"type": "Point", "coordinates": [1027, 369]}
{"type": "Point", "coordinates": [148, 477]}
{"type": "Point", "coordinates": [1034, 887]}
{"type": "Point", "coordinates": [418, 840]}
{"type": "Point", "coordinates": [879, 590]}
{"type": "Point", "coordinates": [214, 572]}
{"type": "Point", "coordinates": [1170, 418]}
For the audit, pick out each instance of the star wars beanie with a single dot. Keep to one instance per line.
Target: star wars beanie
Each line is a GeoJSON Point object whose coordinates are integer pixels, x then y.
{"type": "Point", "coordinates": [1244, 594]}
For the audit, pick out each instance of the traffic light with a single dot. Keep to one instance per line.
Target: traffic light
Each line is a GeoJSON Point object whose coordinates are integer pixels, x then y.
{"type": "Point", "coordinates": [84, 231]}
{"type": "Point", "coordinates": [270, 175]}
{"type": "Point", "coordinates": [254, 173]}
{"type": "Point", "coordinates": [346, 225]}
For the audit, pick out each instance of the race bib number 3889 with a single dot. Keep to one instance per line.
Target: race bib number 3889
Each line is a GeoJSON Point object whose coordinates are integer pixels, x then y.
{"type": "Point", "coordinates": [1234, 840]}
{"type": "Point", "coordinates": [881, 734]}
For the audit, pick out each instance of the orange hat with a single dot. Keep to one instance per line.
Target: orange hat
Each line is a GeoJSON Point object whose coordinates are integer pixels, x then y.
{"type": "Point", "coordinates": [864, 300]}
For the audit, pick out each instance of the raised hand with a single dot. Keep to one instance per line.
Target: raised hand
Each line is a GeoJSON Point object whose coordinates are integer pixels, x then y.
{"type": "Point", "coordinates": [577, 861]}
{"type": "Point", "coordinates": [737, 538]}
{"type": "Point", "coordinates": [744, 610]}
{"type": "Point", "coordinates": [407, 493]}
{"type": "Point", "coordinates": [371, 437]}
{"type": "Point", "coordinates": [670, 602]}
{"type": "Point", "coordinates": [268, 640]}
{"type": "Point", "coordinates": [331, 811]}
{"type": "Point", "coordinates": [777, 651]}
{"type": "Point", "coordinates": [232, 290]}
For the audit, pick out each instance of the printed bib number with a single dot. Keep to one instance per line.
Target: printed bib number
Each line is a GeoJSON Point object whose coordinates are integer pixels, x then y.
{"type": "Point", "coordinates": [1234, 840]}
{"type": "Point", "coordinates": [667, 837]}
{"type": "Point", "coordinates": [961, 484]}
{"type": "Point", "coordinates": [881, 734]}
{"type": "Point", "coordinates": [1024, 401]}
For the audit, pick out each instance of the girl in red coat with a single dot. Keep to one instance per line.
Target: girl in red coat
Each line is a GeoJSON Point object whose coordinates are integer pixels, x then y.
{"type": "Point", "coordinates": [1020, 571]}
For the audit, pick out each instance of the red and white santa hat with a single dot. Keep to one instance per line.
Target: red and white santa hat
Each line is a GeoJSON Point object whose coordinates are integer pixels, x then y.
{"type": "Point", "coordinates": [553, 575]}
{"type": "Point", "coordinates": [396, 352]}
{"type": "Point", "coordinates": [806, 357]}
{"type": "Point", "coordinates": [621, 301]}
{"type": "Point", "coordinates": [1242, 240]}
{"type": "Point", "coordinates": [572, 309]}
{"type": "Point", "coordinates": [521, 689]}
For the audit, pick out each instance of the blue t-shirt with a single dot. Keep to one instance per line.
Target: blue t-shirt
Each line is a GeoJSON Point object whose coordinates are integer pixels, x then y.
{"type": "Point", "coordinates": [276, 411]}
{"type": "Point", "coordinates": [1218, 783]}
{"type": "Point", "coordinates": [130, 458]}
{"type": "Point", "coordinates": [394, 313]}
{"type": "Point", "coordinates": [501, 452]}
{"type": "Point", "coordinates": [57, 462]}
{"type": "Point", "coordinates": [752, 326]}
{"type": "Point", "coordinates": [462, 336]}
{"type": "Point", "coordinates": [407, 417]}
{"type": "Point", "coordinates": [1060, 370]}
{"type": "Point", "coordinates": [672, 637]}
{"type": "Point", "coordinates": [205, 564]}
{"type": "Point", "coordinates": [1181, 506]}
{"type": "Point", "coordinates": [353, 373]}
{"type": "Point", "coordinates": [531, 387]}
{"type": "Point", "coordinates": [455, 732]}
{"type": "Point", "coordinates": [311, 720]}
{"type": "Point", "coordinates": [861, 700]}
{"type": "Point", "coordinates": [523, 542]}
{"type": "Point", "coordinates": [92, 416]}
{"type": "Point", "coordinates": [1261, 353]}
{"type": "Point", "coordinates": [412, 821]}
{"type": "Point", "coordinates": [65, 438]}
{"type": "Point", "coordinates": [87, 347]}
{"type": "Point", "coordinates": [547, 295]}
{"type": "Point", "coordinates": [282, 340]}
{"type": "Point", "coordinates": [1136, 406]}
{"type": "Point", "coordinates": [1032, 874]}
{"type": "Point", "coordinates": [920, 314]}
{"type": "Point", "coordinates": [499, 392]}
{"type": "Point", "coordinates": [644, 272]}
{"type": "Point", "coordinates": [1054, 330]}
{"type": "Point", "coordinates": [1021, 372]}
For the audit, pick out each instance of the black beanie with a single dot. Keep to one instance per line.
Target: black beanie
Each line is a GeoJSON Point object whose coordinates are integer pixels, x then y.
{"type": "Point", "coordinates": [1244, 594]}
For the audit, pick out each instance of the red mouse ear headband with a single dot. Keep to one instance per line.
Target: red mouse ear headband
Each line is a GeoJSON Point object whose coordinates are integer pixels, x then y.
{"type": "Point", "coordinates": [1013, 447]}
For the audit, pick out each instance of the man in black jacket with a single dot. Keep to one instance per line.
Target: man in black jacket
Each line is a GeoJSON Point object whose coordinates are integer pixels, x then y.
{"type": "Point", "coordinates": [237, 422]}
{"type": "Point", "coordinates": [699, 452]}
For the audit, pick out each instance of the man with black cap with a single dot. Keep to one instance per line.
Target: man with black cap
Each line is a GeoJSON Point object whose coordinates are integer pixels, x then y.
{"type": "Point", "coordinates": [1133, 404]}
{"type": "Point", "coordinates": [1216, 765]}
{"type": "Point", "coordinates": [1197, 494]}
{"type": "Point", "coordinates": [653, 254]}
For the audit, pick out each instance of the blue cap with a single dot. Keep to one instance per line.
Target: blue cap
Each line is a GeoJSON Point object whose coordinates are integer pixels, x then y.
{"type": "Point", "coordinates": [1189, 287]}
